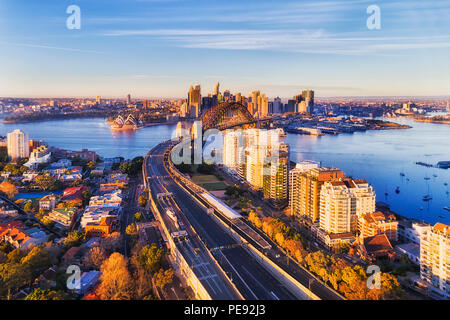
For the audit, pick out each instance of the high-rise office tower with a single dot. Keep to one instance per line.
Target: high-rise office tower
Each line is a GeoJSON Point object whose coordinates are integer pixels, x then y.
{"type": "Point", "coordinates": [341, 202]}
{"type": "Point", "coordinates": [308, 96]}
{"type": "Point", "coordinates": [195, 101]}
{"type": "Point", "coordinates": [216, 89]}
{"type": "Point", "coordinates": [238, 97]}
{"type": "Point", "coordinates": [98, 100]}
{"type": "Point", "coordinates": [253, 105]}
{"type": "Point", "coordinates": [310, 186]}
{"type": "Point", "coordinates": [263, 105]}
{"type": "Point", "coordinates": [18, 145]}
{"type": "Point", "coordinates": [226, 95]}
{"type": "Point", "coordinates": [435, 259]}
{"type": "Point", "coordinates": [290, 107]}
{"type": "Point", "coordinates": [128, 99]}
{"type": "Point", "coordinates": [448, 106]}
{"type": "Point", "coordinates": [277, 106]}
{"type": "Point", "coordinates": [295, 184]}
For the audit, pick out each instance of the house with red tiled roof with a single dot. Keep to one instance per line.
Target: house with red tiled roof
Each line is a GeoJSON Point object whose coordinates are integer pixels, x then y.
{"type": "Point", "coordinates": [74, 194]}
{"type": "Point", "coordinates": [20, 236]}
{"type": "Point", "coordinates": [375, 247]}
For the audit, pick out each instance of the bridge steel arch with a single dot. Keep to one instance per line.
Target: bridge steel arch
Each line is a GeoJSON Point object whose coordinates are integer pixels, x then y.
{"type": "Point", "coordinates": [226, 114]}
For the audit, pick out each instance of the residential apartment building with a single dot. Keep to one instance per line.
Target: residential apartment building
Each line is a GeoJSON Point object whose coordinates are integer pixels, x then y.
{"type": "Point", "coordinates": [311, 183]}
{"type": "Point", "coordinates": [275, 174]}
{"type": "Point", "coordinates": [435, 259]}
{"type": "Point", "coordinates": [64, 217]}
{"type": "Point", "coordinates": [341, 202]}
{"type": "Point", "coordinates": [295, 184]}
{"type": "Point", "coordinates": [374, 223]}
{"type": "Point", "coordinates": [18, 145]}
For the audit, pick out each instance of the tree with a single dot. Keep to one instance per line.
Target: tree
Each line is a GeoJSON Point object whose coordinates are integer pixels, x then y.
{"type": "Point", "coordinates": [15, 256]}
{"type": "Point", "coordinates": [45, 182]}
{"type": "Point", "coordinates": [131, 230]}
{"type": "Point", "coordinates": [149, 258]}
{"type": "Point", "coordinates": [115, 282]}
{"type": "Point", "coordinates": [9, 189]}
{"type": "Point", "coordinates": [142, 200]}
{"type": "Point", "coordinates": [254, 218]}
{"type": "Point", "coordinates": [138, 216]}
{"type": "Point", "coordinates": [40, 294]}
{"type": "Point", "coordinates": [143, 284]}
{"type": "Point", "coordinates": [91, 165]}
{"type": "Point", "coordinates": [95, 257]}
{"type": "Point", "coordinates": [112, 242]}
{"type": "Point", "coordinates": [163, 278]}
{"type": "Point", "coordinates": [86, 196]}
{"type": "Point", "coordinates": [41, 213]}
{"type": "Point", "coordinates": [3, 257]}
{"type": "Point", "coordinates": [12, 277]}
{"type": "Point", "coordinates": [28, 207]}
{"type": "Point", "coordinates": [74, 238]}
{"type": "Point", "coordinates": [37, 260]}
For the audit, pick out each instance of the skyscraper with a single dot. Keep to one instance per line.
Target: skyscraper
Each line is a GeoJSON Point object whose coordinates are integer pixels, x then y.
{"type": "Point", "coordinates": [253, 106]}
{"type": "Point", "coordinates": [128, 99]}
{"type": "Point", "coordinates": [216, 89]}
{"type": "Point", "coordinates": [263, 105]}
{"type": "Point", "coordinates": [308, 96]}
{"type": "Point", "coordinates": [195, 101]}
{"type": "Point", "coordinates": [277, 106]}
{"type": "Point", "coordinates": [18, 145]}
{"type": "Point", "coordinates": [238, 97]}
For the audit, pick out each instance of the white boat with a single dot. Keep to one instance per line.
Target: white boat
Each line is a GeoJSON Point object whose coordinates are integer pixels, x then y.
{"type": "Point", "coordinates": [427, 198]}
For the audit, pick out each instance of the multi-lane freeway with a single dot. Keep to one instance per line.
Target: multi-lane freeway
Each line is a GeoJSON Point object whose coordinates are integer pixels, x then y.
{"type": "Point", "coordinates": [253, 281]}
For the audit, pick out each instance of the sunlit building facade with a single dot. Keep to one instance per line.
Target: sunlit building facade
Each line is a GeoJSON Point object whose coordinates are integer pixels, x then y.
{"type": "Point", "coordinates": [435, 259]}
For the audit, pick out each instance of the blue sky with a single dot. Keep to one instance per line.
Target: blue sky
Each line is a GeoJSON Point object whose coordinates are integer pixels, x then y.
{"type": "Point", "coordinates": [158, 48]}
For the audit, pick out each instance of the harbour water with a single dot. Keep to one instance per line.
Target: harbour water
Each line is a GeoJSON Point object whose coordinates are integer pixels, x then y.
{"type": "Point", "coordinates": [378, 156]}
{"type": "Point", "coordinates": [381, 157]}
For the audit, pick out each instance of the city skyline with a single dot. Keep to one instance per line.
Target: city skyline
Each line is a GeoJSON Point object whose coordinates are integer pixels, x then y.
{"type": "Point", "coordinates": [156, 48]}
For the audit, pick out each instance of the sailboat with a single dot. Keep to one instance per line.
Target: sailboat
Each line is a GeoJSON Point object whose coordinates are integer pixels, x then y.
{"type": "Point", "coordinates": [427, 197]}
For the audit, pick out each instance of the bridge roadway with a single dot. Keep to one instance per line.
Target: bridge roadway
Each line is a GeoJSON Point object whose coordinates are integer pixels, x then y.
{"type": "Point", "coordinates": [252, 280]}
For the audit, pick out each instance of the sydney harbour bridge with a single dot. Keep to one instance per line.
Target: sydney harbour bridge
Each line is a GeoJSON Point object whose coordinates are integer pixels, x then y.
{"type": "Point", "coordinates": [227, 115]}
